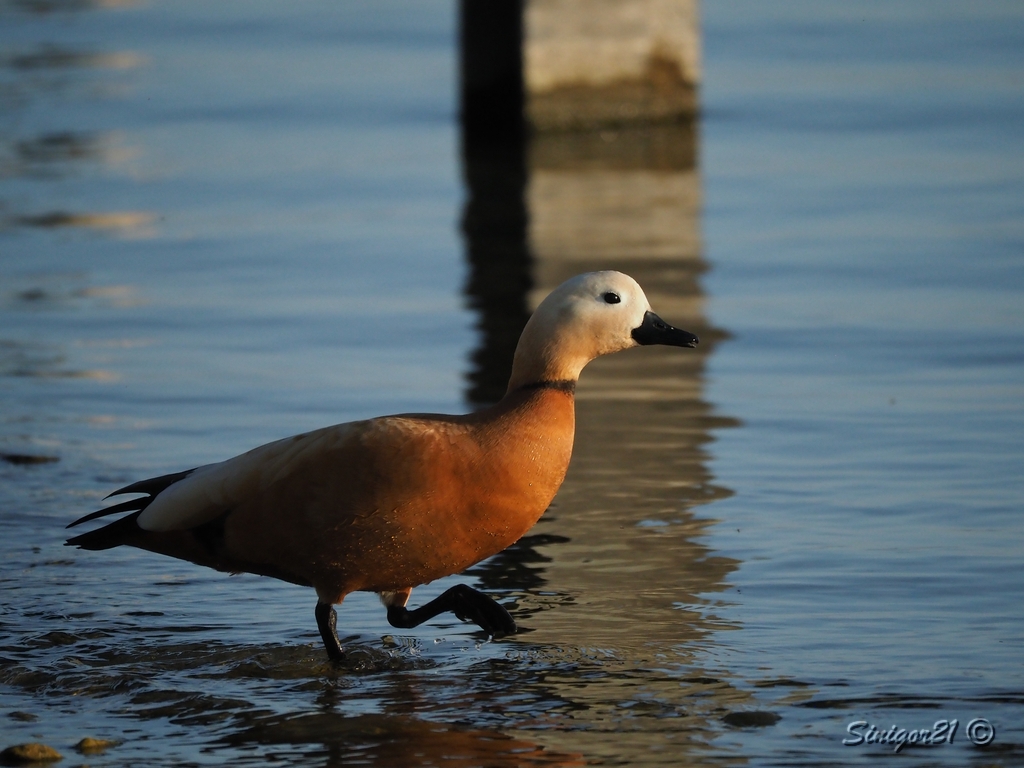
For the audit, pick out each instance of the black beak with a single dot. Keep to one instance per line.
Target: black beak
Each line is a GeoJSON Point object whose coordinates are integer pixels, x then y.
{"type": "Point", "coordinates": [654, 330]}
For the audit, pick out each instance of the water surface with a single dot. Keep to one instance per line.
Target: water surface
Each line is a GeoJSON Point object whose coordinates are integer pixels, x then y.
{"type": "Point", "coordinates": [226, 223]}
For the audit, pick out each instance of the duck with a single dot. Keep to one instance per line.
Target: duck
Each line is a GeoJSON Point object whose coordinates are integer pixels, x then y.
{"type": "Point", "coordinates": [391, 503]}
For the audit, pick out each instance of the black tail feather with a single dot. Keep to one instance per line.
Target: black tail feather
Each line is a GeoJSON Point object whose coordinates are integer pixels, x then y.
{"type": "Point", "coordinates": [109, 536]}
{"type": "Point", "coordinates": [153, 486]}
{"type": "Point", "coordinates": [124, 506]}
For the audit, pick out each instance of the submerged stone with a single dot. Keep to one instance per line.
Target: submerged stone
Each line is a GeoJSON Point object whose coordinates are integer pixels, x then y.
{"type": "Point", "coordinates": [89, 746]}
{"type": "Point", "coordinates": [754, 719]}
{"type": "Point", "coordinates": [23, 754]}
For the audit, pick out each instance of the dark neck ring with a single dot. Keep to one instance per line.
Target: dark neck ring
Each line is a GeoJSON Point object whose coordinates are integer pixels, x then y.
{"type": "Point", "coordinates": [565, 385]}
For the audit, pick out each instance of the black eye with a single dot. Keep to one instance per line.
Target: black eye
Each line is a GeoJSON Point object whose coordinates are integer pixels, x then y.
{"type": "Point", "coordinates": [611, 298]}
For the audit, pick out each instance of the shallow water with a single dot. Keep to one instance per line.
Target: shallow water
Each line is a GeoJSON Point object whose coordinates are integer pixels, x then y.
{"type": "Point", "coordinates": [225, 223]}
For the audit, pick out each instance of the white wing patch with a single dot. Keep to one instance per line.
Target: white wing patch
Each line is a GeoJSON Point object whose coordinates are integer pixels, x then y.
{"type": "Point", "coordinates": [214, 489]}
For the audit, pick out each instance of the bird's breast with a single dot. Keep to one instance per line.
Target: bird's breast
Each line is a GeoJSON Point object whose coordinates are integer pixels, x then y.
{"type": "Point", "coordinates": [459, 493]}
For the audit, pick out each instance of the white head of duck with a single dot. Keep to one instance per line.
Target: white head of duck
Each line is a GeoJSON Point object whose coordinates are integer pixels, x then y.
{"type": "Point", "coordinates": [587, 316]}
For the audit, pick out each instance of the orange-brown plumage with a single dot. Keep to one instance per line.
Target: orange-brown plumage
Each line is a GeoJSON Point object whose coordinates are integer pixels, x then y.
{"type": "Point", "coordinates": [402, 484]}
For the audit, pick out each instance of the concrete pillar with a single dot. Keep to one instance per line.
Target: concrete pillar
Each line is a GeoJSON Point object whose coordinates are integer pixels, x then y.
{"type": "Point", "coordinates": [491, 67]}
{"type": "Point", "coordinates": [594, 63]}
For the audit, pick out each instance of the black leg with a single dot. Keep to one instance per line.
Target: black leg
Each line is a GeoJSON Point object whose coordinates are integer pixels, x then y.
{"type": "Point", "coordinates": [327, 621]}
{"type": "Point", "coordinates": [466, 603]}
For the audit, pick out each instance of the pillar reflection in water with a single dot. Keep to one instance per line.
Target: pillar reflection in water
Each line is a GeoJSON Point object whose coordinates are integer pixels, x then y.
{"type": "Point", "coordinates": [618, 562]}
{"type": "Point", "coordinates": [620, 535]}
{"type": "Point", "coordinates": [630, 200]}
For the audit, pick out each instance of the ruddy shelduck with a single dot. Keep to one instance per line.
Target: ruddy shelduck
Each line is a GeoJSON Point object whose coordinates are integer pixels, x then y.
{"type": "Point", "coordinates": [387, 504]}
